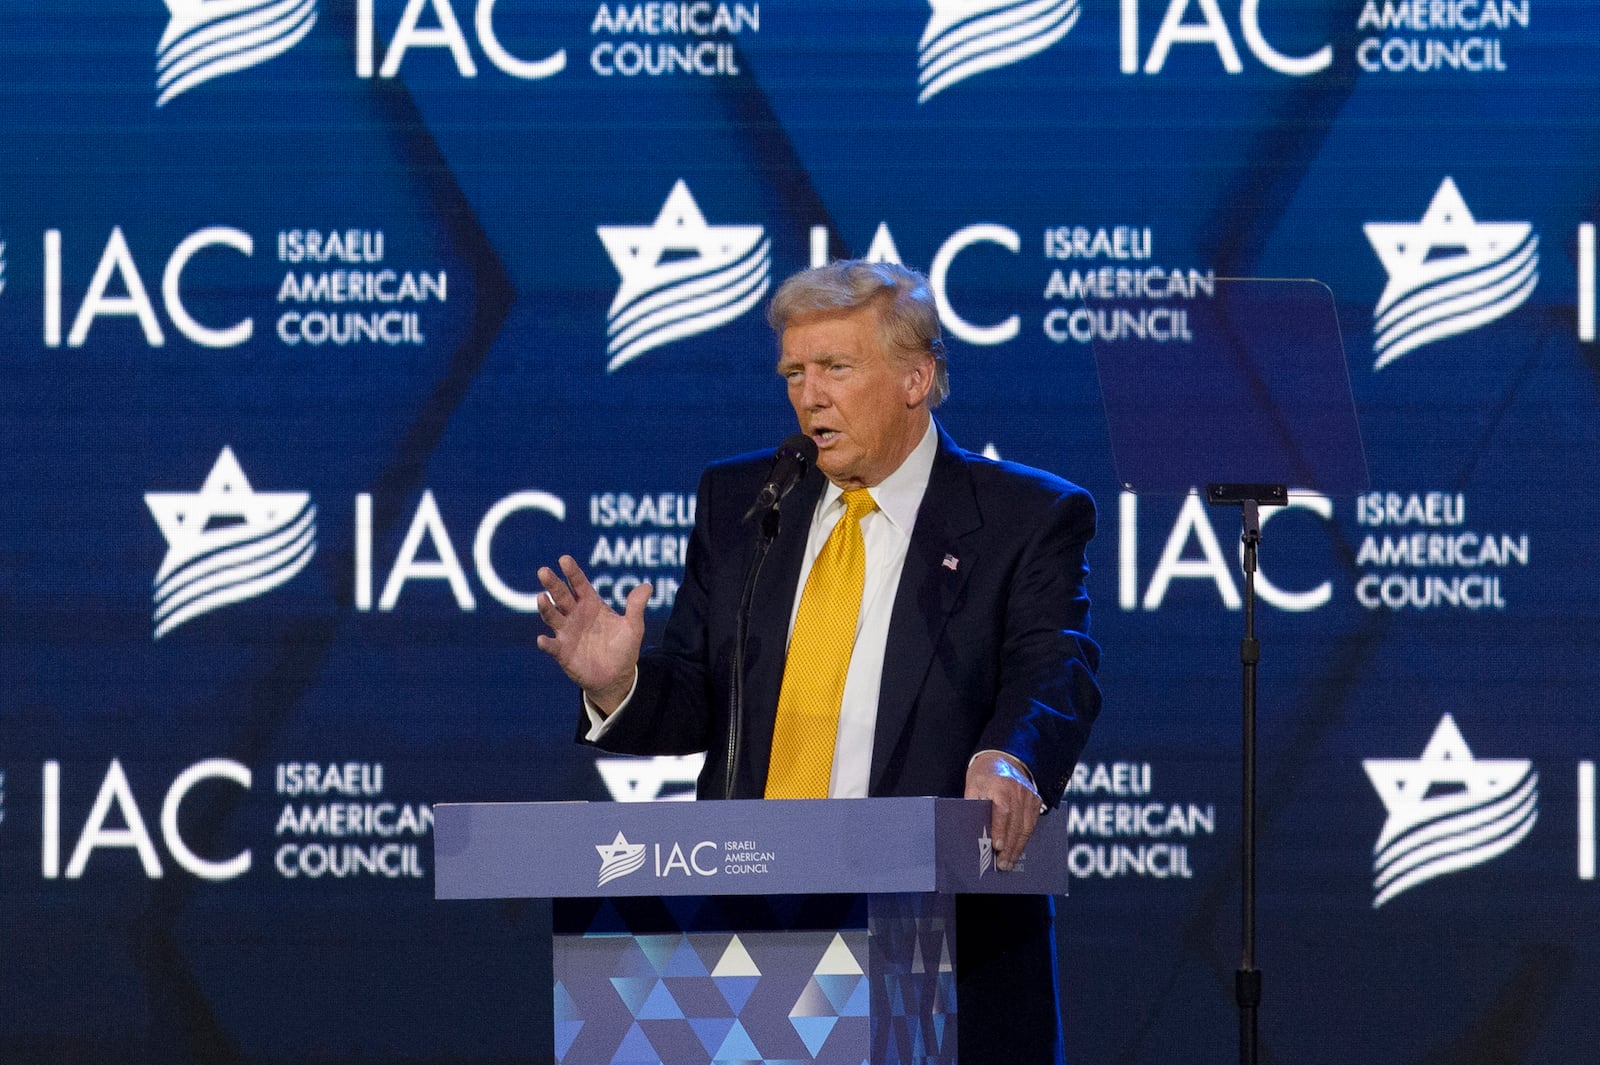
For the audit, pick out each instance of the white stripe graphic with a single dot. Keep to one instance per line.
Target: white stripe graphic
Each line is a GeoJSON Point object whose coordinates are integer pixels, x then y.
{"type": "Point", "coordinates": [688, 307]}
{"type": "Point", "coordinates": [210, 38]}
{"type": "Point", "coordinates": [1456, 318]}
{"type": "Point", "coordinates": [1586, 823]}
{"type": "Point", "coordinates": [967, 37]}
{"type": "Point", "coordinates": [236, 555]}
{"type": "Point", "coordinates": [236, 573]}
{"type": "Point", "coordinates": [1455, 842]}
{"type": "Point", "coordinates": [621, 865]}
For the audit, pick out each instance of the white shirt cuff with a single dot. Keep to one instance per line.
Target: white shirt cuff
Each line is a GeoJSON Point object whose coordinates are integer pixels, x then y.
{"type": "Point", "coordinates": [1013, 760]}
{"type": "Point", "coordinates": [600, 724]}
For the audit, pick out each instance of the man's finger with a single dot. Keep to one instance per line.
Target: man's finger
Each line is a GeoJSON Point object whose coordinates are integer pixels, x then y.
{"type": "Point", "coordinates": [1007, 830]}
{"type": "Point", "coordinates": [1000, 823]}
{"type": "Point", "coordinates": [1030, 821]}
{"type": "Point", "coordinates": [1014, 819]}
{"type": "Point", "coordinates": [575, 576]}
{"type": "Point", "coordinates": [557, 597]}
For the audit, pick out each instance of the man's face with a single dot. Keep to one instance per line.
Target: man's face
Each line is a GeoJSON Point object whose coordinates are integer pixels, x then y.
{"type": "Point", "coordinates": [864, 408]}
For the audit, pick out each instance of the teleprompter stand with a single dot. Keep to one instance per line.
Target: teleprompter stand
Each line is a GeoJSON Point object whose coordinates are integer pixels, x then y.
{"type": "Point", "coordinates": [808, 931]}
{"type": "Point", "coordinates": [1242, 389]}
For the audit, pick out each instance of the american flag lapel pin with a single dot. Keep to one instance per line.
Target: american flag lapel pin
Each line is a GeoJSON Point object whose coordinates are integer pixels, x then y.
{"type": "Point", "coordinates": [950, 563]}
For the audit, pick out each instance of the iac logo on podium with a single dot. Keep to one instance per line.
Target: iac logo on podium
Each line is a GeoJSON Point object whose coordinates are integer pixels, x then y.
{"type": "Point", "coordinates": [227, 543]}
{"type": "Point", "coordinates": [1448, 274]}
{"type": "Point", "coordinates": [618, 859]}
{"type": "Point", "coordinates": [967, 37]}
{"type": "Point", "coordinates": [206, 39]}
{"type": "Point", "coordinates": [680, 276]}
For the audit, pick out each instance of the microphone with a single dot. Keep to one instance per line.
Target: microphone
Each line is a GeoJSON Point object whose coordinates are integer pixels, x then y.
{"type": "Point", "coordinates": [795, 456]}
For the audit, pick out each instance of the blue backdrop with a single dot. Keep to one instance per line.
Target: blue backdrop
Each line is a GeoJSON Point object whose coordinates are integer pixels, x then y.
{"type": "Point", "coordinates": [325, 322]}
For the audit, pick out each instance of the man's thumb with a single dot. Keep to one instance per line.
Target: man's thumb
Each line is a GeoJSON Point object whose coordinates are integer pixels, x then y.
{"type": "Point", "coordinates": [637, 600]}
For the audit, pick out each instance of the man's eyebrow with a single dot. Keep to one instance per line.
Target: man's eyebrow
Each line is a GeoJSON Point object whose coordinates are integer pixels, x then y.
{"type": "Point", "coordinates": [826, 360]}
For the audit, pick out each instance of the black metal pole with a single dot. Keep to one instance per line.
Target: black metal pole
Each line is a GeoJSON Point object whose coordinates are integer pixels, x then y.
{"type": "Point", "coordinates": [768, 533]}
{"type": "Point", "coordinates": [1250, 498]}
{"type": "Point", "coordinates": [1247, 982]}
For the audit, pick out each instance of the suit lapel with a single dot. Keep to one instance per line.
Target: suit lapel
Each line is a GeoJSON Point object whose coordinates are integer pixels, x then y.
{"type": "Point", "coordinates": [938, 563]}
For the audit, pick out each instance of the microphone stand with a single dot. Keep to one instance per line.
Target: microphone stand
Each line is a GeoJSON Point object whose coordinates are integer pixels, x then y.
{"type": "Point", "coordinates": [1247, 980]}
{"type": "Point", "coordinates": [767, 532]}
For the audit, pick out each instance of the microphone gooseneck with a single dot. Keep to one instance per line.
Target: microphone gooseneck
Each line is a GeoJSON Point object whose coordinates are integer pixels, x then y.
{"type": "Point", "coordinates": [789, 464]}
{"type": "Point", "coordinates": [794, 456]}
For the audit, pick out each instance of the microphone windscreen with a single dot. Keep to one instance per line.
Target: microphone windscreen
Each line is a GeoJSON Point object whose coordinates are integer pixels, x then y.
{"type": "Point", "coordinates": [801, 446]}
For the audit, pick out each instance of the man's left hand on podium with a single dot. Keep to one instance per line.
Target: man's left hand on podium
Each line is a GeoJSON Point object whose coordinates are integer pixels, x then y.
{"type": "Point", "coordinates": [1006, 784]}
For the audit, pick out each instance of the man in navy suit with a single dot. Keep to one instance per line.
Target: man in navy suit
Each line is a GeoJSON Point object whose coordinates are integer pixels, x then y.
{"type": "Point", "coordinates": [971, 672]}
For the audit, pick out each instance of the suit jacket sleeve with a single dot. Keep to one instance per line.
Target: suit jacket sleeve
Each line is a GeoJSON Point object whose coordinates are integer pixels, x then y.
{"type": "Point", "coordinates": [1047, 698]}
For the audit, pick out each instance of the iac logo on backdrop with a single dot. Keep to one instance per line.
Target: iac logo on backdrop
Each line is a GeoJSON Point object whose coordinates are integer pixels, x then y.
{"type": "Point", "coordinates": [336, 822]}
{"type": "Point", "coordinates": [967, 37]}
{"type": "Point", "coordinates": [1448, 274]}
{"type": "Point", "coordinates": [1448, 811]}
{"type": "Point", "coordinates": [331, 287]}
{"type": "Point", "coordinates": [681, 276]}
{"type": "Point", "coordinates": [1396, 36]}
{"type": "Point", "coordinates": [227, 543]}
{"type": "Point", "coordinates": [206, 39]}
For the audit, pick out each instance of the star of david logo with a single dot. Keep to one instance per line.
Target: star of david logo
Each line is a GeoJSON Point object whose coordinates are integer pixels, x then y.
{"type": "Point", "coordinates": [679, 244]}
{"type": "Point", "coordinates": [1448, 273]}
{"type": "Point", "coordinates": [225, 511]}
{"type": "Point", "coordinates": [619, 858]}
{"type": "Point", "coordinates": [1448, 240]}
{"type": "Point", "coordinates": [227, 542]}
{"type": "Point", "coordinates": [1444, 780]}
{"type": "Point", "coordinates": [644, 779]}
{"type": "Point", "coordinates": [680, 276]}
{"type": "Point", "coordinates": [1447, 810]}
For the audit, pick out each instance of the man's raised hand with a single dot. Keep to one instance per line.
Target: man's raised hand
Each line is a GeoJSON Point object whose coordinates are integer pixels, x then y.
{"type": "Point", "coordinates": [593, 644]}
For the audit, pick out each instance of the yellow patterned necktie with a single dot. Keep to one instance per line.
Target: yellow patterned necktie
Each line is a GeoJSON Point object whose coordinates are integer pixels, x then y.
{"type": "Point", "coordinates": [819, 656]}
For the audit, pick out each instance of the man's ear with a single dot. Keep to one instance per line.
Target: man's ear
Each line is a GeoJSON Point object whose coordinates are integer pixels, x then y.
{"type": "Point", "coordinates": [919, 381]}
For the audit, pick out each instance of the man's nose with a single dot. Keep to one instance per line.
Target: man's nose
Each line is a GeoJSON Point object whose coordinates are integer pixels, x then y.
{"type": "Point", "coordinates": [814, 393]}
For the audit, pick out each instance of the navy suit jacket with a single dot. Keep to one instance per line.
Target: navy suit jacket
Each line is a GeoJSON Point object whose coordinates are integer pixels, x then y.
{"type": "Point", "coordinates": [987, 644]}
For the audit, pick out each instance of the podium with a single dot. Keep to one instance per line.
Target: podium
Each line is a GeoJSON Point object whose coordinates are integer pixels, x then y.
{"type": "Point", "coordinates": [816, 931]}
